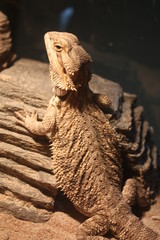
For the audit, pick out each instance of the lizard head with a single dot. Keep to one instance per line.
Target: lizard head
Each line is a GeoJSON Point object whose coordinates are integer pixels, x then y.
{"type": "Point", "coordinates": [66, 57]}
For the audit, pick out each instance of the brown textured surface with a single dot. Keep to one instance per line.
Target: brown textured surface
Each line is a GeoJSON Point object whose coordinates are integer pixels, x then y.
{"type": "Point", "coordinates": [86, 153]}
{"type": "Point", "coordinates": [28, 72]}
{"type": "Point", "coordinates": [6, 56]}
{"type": "Point", "coordinates": [61, 226]}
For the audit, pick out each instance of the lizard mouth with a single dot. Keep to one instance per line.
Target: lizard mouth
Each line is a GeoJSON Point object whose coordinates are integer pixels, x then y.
{"type": "Point", "coordinates": [60, 92]}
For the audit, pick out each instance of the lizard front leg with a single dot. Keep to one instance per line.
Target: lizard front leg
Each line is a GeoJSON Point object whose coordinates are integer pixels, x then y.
{"type": "Point", "coordinates": [31, 123]}
{"type": "Point", "coordinates": [101, 100]}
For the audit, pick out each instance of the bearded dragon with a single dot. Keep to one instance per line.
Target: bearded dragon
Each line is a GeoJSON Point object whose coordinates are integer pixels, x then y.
{"type": "Point", "coordinates": [87, 159]}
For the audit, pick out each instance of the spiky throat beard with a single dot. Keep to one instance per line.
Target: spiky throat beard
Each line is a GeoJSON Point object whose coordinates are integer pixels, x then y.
{"type": "Point", "coordinates": [61, 80]}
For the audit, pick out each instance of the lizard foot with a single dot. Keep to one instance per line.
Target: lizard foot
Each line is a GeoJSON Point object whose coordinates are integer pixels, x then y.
{"type": "Point", "coordinates": [93, 238]}
{"type": "Point", "coordinates": [26, 119]}
{"type": "Point", "coordinates": [92, 227]}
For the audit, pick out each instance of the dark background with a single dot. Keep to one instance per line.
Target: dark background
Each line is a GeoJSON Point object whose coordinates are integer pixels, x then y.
{"type": "Point", "coordinates": [123, 27]}
{"type": "Point", "coordinates": [122, 36]}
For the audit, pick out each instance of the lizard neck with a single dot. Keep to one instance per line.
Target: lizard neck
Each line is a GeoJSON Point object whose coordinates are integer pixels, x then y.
{"type": "Point", "coordinates": [79, 97]}
{"type": "Point", "coordinates": [84, 76]}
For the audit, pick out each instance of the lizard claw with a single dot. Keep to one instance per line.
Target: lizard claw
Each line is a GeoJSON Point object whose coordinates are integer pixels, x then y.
{"type": "Point", "coordinates": [20, 119]}
{"type": "Point", "coordinates": [34, 115]}
{"type": "Point", "coordinates": [19, 116]}
{"type": "Point", "coordinates": [26, 112]}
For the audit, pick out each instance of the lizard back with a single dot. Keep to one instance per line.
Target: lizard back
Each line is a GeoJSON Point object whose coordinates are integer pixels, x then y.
{"type": "Point", "coordinates": [85, 153]}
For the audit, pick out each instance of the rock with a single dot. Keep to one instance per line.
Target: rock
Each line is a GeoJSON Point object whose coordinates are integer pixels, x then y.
{"type": "Point", "coordinates": [22, 209]}
{"type": "Point", "coordinates": [25, 160]}
{"type": "Point", "coordinates": [25, 191]}
{"type": "Point", "coordinates": [6, 56]}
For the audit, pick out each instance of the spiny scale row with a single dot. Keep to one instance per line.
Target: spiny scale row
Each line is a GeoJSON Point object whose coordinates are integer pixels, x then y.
{"type": "Point", "coordinates": [135, 135]}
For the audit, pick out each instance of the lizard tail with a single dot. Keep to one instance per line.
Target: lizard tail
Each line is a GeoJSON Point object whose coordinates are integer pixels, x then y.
{"type": "Point", "coordinates": [125, 225]}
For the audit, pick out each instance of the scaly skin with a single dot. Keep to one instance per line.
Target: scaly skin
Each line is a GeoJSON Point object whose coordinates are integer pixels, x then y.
{"type": "Point", "coordinates": [86, 156]}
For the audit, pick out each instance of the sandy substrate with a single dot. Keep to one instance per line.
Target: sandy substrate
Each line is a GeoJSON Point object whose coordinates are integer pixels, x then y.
{"type": "Point", "coordinates": [61, 226]}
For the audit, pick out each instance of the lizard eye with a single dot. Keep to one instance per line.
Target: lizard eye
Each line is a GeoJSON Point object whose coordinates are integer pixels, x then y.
{"type": "Point", "coordinates": [58, 47]}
